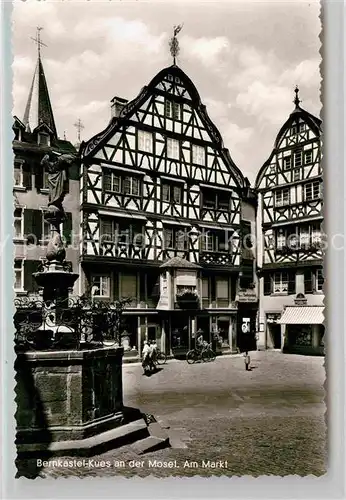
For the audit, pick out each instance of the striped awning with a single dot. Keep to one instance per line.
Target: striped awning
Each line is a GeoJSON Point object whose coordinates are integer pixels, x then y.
{"type": "Point", "coordinates": [302, 315]}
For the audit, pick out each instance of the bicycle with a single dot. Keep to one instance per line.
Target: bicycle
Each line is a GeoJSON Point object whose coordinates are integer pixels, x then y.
{"type": "Point", "coordinates": [204, 354]}
{"type": "Point", "coordinates": [161, 358]}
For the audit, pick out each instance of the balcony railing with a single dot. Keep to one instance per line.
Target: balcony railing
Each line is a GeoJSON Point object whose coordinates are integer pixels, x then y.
{"type": "Point", "coordinates": [215, 258]}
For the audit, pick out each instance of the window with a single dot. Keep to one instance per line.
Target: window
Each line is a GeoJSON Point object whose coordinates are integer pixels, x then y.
{"type": "Point", "coordinates": [171, 193]}
{"type": "Point", "coordinates": [316, 236]}
{"type": "Point", "coordinates": [298, 158]}
{"type": "Point", "coordinates": [294, 130]}
{"type": "Point", "coordinates": [172, 148]}
{"type": "Point", "coordinates": [102, 284]}
{"type": "Point", "coordinates": [221, 288]}
{"type": "Point", "coordinates": [176, 239]}
{"type": "Point", "coordinates": [312, 190]}
{"type": "Point", "coordinates": [214, 241]}
{"type": "Point", "coordinates": [115, 183]}
{"type": "Point", "coordinates": [43, 139]}
{"type": "Point", "coordinates": [18, 275]}
{"type": "Point", "coordinates": [46, 232]}
{"type": "Point", "coordinates": [45, 179]}
{"type": "Point", "coordinates": [281, 240]}
{"type": "Point", "coordinates": [107, 231]}
{"type": "Point", "coordinates": [198, 154]}
{"type": "Point", "coordinates": [282, 197]}
{"type": "Point", "coordinates": [219, 200]}
{"type": "Point", "coordinates": [130, 185]}
{"type": "Point", "coordinates": [18, 223]}
{"type": "Point", "coordinates": [296, 174]}
{"type": "Point", "coordinates": [281, 282]}
{"type": "Point", "coordinates": [301, 127]}
{"type": "Point", "coordinates": [319, 280]}
{"type": "Point", "coordinates": [308, 157]}
{"type": "Point", "coordinates": [18, 176]}
{"type": "Point", "coordinates": [168, 238]}
{"type": "Point", "coordinates": [111, 182]}
{"type": "Point", "coordinates": [172, 109]}
{"type": "Point", "coordinates": [207, 241]}
{"type": "Point", "coordinates": [145, 141]}
{"type": "Point", "coordinates": [304, 237]}
{"type": "Point", "coordinates": [287, 162]}
{"type": "Point", "coordinates": [308, 281]}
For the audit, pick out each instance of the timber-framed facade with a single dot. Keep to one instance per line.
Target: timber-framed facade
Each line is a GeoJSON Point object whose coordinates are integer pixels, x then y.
{"type": "Point", "coordinates": [164, 212]}
{"type": "Point", "coordinates": [290, 254]}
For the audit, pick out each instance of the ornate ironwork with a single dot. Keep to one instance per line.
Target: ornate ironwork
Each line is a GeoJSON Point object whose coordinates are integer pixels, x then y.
{"type": "Point", "coordinates": [74, 323]}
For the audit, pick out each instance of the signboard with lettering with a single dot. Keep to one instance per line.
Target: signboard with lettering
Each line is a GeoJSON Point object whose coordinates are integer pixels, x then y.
{"type": "Point", "coordinates": [247, 296]}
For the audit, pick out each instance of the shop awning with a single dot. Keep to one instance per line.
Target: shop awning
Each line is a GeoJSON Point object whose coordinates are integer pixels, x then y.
{"type": "Point", "coordinates": [302, 315]}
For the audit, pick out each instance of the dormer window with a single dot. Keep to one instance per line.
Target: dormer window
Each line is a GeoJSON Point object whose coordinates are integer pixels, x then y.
{"type": "Point", "coordinates": [43, 139]}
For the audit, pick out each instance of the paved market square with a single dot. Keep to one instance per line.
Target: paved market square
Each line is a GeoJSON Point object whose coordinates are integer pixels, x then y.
{"type": "Point", "coordinates": [223, 420]}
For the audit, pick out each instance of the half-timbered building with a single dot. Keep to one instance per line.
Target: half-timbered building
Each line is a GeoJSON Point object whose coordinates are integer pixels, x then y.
{"type": "Point", "coordinates": [164, 209]}
{"type": "Point", "coordinates": [290, 250]}
{"type": "Point", "coordinates": [34, 136]}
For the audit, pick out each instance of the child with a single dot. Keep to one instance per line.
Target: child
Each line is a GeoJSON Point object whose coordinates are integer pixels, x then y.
{"type": "Point", "coordinates": [246, 360]}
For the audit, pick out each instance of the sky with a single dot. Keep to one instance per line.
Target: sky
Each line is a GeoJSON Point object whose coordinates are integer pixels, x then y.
{"type": "Point", "coordinates": [245, 59]}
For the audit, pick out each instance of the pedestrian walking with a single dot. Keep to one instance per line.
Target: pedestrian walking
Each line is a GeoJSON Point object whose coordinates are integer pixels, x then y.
{"type": "Point", "coordinates": [146, 356]}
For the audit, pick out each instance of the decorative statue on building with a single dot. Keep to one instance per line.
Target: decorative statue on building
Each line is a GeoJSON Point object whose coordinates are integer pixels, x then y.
{"type": "Point", "coordinates": [56, 166]}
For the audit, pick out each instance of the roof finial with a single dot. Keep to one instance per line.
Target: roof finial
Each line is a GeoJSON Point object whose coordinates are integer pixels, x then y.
{"type": "Point", "coordinates": [173, 43]}
{"type": "Point", "coordinates": [296, 99]}
{"type": "Point", "coordinates": [38, 41]}
{"type": "Point", "coordinates": [79, 126]}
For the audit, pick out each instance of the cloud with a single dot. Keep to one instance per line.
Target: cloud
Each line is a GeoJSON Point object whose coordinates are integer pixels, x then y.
{"type": "Point", "coordinates": [209, 51]}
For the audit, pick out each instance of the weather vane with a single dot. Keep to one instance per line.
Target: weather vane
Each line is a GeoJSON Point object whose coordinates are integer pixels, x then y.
{"type": "Point", "coordinates": [296, 99]}
{"type": "Point", "coordinates": [173, 43]}
{"type": "Point", "coordinates": [38, 41]}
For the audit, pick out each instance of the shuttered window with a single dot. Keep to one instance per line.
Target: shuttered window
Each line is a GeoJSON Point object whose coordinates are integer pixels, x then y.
{"type": "Point", "coordinates": [221, 288]}
{"type": "Point", "coordinates": [33, 226]}
{"type": "Point", "coordinates": [18, 275]}
{"type": "Point", "coordinates": [268, 284]}
{"type": "Point", "coordinates": [129, 286]}
{"type": "Point", "coordinates": [308, 281]}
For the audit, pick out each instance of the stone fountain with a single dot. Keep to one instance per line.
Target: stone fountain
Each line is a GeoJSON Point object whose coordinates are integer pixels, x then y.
{"type": "Point", "coordinates": [69, 400]}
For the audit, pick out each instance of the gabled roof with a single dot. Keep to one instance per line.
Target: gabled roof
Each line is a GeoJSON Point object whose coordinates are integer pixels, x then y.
{"type": "Point", "coordinates": [91, 147]}
{"type": "Point", "coordinates": [179, 263]}
{"type": "Point", "coordinates": [38, 109]}
{"type": "Point", "coordinates": [298, 112]}
{"type": "Point", "coordinates": [18, 123]}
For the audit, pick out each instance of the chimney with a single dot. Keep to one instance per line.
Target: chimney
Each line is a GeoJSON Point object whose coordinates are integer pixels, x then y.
{"type": "Point", "coordinates": [117, 104]}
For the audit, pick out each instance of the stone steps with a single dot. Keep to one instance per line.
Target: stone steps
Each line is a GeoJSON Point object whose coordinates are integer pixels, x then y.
{"type": "Point", "coordinates": [113, 438]}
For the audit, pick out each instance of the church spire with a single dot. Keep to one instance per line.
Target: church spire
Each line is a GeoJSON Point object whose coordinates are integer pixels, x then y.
{"type": "Point", "coordinates": [38, 108]}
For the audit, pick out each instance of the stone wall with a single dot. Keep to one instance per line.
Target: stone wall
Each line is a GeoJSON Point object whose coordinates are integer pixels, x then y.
{"type": "Point", "coordinates": [68, 395]}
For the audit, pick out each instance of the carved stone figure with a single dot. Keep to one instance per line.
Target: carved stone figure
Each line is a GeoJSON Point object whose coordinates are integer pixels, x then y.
{"type": "Point", "coordinates": [56, 166]}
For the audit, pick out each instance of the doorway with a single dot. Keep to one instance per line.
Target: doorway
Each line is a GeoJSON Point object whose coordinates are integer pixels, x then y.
{"type": "Point", "coordinates": [275, 335]}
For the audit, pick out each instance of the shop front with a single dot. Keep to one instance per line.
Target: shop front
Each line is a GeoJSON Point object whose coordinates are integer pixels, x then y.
{"type": "Point", "coordinates": [304, 329]}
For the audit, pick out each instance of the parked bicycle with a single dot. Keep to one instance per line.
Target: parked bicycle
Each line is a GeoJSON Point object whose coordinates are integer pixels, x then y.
{"type": "Point", "coordinates": [204, 354]}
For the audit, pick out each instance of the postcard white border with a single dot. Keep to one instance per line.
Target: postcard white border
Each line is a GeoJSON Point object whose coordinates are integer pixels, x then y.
{"type": "Point", "coordinates": [332, 485]}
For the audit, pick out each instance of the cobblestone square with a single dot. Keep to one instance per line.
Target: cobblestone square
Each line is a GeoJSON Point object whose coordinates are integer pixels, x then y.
{"type": "Point", "coordinates": [224, 420]}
